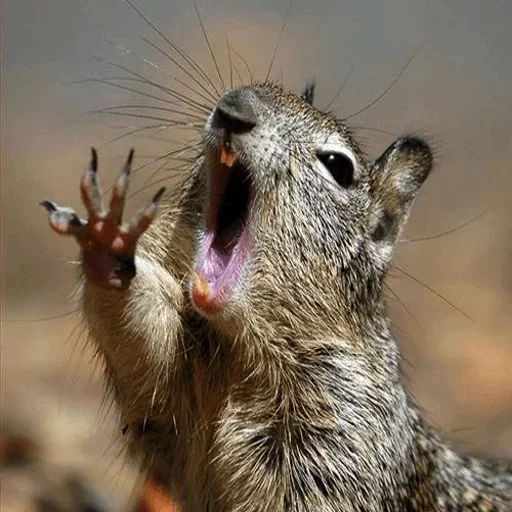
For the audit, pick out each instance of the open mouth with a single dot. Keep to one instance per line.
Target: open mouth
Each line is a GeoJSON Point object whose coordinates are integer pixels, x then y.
{"type": "Point", "coordinates": [226, 245]}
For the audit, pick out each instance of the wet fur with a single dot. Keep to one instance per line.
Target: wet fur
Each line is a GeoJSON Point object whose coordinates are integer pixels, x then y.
{"type": "Point", "coordinates": [291, 398]}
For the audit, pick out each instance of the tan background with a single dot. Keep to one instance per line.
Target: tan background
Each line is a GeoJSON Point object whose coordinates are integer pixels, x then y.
{"type": "Point", "coordinates": [457, 91]}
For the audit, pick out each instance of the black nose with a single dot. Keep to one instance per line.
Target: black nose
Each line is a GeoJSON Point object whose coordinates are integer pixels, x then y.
{"type": "Point", "coordinates": [234, 113]}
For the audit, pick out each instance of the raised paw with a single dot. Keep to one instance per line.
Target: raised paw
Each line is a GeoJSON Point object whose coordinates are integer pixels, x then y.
{"type": "Point", "coordinates": [108, 244]}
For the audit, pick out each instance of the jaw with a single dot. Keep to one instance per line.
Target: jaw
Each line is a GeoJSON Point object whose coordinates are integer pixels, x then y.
{"type": "Point", "coordinates": [225, 245]}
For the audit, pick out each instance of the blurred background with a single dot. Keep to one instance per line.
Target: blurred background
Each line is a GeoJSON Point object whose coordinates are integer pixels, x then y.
{"type": "Point", "coordinates": [451, 298]}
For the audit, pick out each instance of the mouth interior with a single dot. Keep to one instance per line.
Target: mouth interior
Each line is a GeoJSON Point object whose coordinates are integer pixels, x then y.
{"type": "Point", "coordinates": [226, 244]}
{"type": "Point", "coordinates": [232, 211]}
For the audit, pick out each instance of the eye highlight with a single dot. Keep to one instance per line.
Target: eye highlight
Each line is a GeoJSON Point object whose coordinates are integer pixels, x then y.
{"type": "Point", "coordinates": [339, 165]}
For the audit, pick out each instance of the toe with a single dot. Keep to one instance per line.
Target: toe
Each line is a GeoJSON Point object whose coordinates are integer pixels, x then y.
{"type": "Point", "coordinates": [63, 220]}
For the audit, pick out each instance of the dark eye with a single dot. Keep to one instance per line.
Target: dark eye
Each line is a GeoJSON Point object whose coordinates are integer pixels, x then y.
{"type": "Point", "coordinates": [339, 165]}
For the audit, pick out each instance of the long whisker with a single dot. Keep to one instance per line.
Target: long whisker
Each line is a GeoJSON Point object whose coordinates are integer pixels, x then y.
{"type": "Point", "coordinates": [51, 318]}
{"type": "Point", "coordinates": [136, 116]}
{"type": "Point", "coordinates": [230, 63]}
{"type": "Point", "coordinates": [433, 291]}
{"type": "Point", "coordinates": [283, 26]}
{"type": "Point", "coordinates": [191, 62]}
{"type": "Point", "coordinates": [163, 139]}
{"type": "Point", "coordinates": [340, 89]}
{"type": "Point", "coordinates": [372, 129]}
{"type": "Point", "coordinates": [142, 129]}
{"type": "Point", "coordinates": [112, 110]}
{"type": "Point", "coordinates": [386, 90]}
{"type": "Point", "coordinates": [154, 157]}
{"type": "Point", "coordinates": [209, 98]}
{"type": "Point", "coordinates": [178, 171]}
{"type": "Point", "coordinates": [161, 87]}
{"type": "Point", "coordinates": [110, 81]}
{"type": "Point", "coordinates": [445, 233]}
{"type": "Point", "coordinates": [238, 75]}
{"type": "Point", "coordinates": [160, 69]}
{"type": "Point", "coordinates": [244, 62]}
{"type": "Point", "coordinates": [157, 170]}
{"type": "Point", "coordinates": [404, 306]}
{"type": "Point", "coordinates": [209, 44]}
{"type": "Point", "coordinates": [168, 155]}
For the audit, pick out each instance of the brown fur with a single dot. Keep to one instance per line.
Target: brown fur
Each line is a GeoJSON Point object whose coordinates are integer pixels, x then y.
{"type": "Point", "coordinates": [290, 398]}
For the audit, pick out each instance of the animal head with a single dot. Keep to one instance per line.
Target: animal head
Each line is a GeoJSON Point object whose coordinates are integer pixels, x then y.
{"type": "Point", "coordinates": [297, 226]}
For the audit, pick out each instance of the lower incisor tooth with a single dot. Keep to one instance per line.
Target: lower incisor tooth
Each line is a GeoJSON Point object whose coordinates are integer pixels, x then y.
{"type": "Point", "coordinates": [202, 287]}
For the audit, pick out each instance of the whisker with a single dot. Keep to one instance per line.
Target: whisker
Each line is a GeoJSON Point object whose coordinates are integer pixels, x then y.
{"type": "Point", "coordinates": [207, 98]}
{"type": "Point", "coordinates": [191, 62]}
{"type": "Point", "coordinates": [178, 171]}
{"type": "Point", "coordinates": [110, 81]}
{"type": "Point", "coordinates": [139, 130]}
{"type": "Point", "coordinates": [404, 306]}
{"type": "Point", "coordinates": [136, 116]}
{"type": "Point", "coordinates": [51, 318]}
{"type": "Point", "coordinates": [433, 291]}
{"type": "Point", "coordinates": [161, 87]}
{"type": "Point", "coordinates": [244, 62]}
{"type": "Point", "coordinates": [159, 68]}
{"type": "Point", "coordinates": [283, 26]}
{"type": "Point", "coordinates": [209, 44]}
{"type": "Point", "coordinates": [386, 90]}
{"type": "Point", "coordinates": [340, 89]}
{"type": "Point", "coordinates": [372, 129]}
{"type": "Point", "coordinates": [181, 126]}
{"type": "Point", "coordinates": [167, 155]}
{"type": "Point", "coordinates": [281, 77]}
{"type": "Point", "coordinates": [230, 63]}
{"type": "Point", "coordinates": [445, 233]}
{"type": "Point", "coordinates": [239, 76]}
{"type": "Point", "coordinates": [185, 149]}
{"type": "Point", "coordinates": [163, 139]}
{"type": "Point", "coordinates": [111, 110]}
{"type": "Point", "coordinates": [158, 169]}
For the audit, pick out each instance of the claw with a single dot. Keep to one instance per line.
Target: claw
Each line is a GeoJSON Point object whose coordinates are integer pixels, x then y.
{"type": "Point", "coordinates": [145, 215]}
{"type": "Point", "coordinates": [119, 193]}
{"type": "Point", "coordinates": [129, 160]}
{"type": "Point", "coordinates": [48, 205]}
{"type": "Point", "coordinates": [93, 166]}
{"type": "Point", "coordinates": [91, 196]}
{"type": "Point", "coordinates": [158, 195]}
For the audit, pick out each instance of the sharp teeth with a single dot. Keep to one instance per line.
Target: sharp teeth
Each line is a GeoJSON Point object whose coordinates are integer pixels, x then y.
{"type": "Point", "coordinates": [227, 157]}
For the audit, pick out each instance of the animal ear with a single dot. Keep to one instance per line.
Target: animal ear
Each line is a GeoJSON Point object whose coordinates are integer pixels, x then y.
{"type": "Point", "coordinates": [395, 180]}
{"type": "Point", "coordinates": [308, 94]}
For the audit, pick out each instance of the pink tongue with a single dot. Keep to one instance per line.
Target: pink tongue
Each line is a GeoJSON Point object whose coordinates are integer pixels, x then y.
{"type": "Point", "coordinates": [220, 264]}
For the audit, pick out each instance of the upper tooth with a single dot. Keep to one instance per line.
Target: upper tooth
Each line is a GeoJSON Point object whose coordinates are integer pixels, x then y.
{"type": "Point", "coordinates": [227, 157]}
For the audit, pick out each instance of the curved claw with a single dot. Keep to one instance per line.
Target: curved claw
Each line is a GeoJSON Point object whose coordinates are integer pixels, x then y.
{"type": "Point", "coordinates": [48, 205]}
{"type": "Point", "coordinates": [93, 166]}
{"type": "Point", "coordinates": [63, 220]}
{"type": "Point", "coordinates": [91, 196]}
{"type": "Point", "coordinates": [120, 188]}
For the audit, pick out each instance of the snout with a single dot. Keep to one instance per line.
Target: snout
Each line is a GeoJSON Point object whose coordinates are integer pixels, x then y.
{"type": "Point", "coordinates": [235, 113]}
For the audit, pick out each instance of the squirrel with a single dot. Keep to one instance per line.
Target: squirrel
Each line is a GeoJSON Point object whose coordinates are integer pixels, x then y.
{"type": "Point", "coordinates": [244, 329]}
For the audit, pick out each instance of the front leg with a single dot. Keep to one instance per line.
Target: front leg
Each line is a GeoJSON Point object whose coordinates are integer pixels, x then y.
{"type": "Point", "coordinates": [132, 303]}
